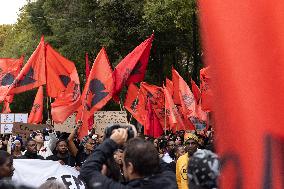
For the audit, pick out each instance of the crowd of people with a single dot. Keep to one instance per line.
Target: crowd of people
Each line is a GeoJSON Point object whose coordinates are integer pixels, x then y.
{"type": "Point", "coordinates": [121, 158]}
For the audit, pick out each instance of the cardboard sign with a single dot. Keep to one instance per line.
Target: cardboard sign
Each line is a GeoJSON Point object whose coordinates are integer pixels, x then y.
{"type": "Point", "coordinates": [68, 126]}
{"type": "Point", "coordinates": [25, 129]}
{"type": "Point", "coordinates": [104, 118]}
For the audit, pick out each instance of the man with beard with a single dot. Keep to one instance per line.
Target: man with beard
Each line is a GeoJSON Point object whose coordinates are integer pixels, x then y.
{"type": "Point", "coordinates": [191, 144]}
{"type": "Point", "coordinates": [169, 154]}
{"type": "Point", "coordinates": [31, 151]}
{"type": "Point", "coordinates": [6, 165]}
{"type": "Point", "coordinates": [62, 154]}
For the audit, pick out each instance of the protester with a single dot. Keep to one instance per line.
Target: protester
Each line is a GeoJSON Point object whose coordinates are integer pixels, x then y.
{"type": "Point", "coordinates": [17, 148]}
{"type": "Point", "coordinates": [6, 165]}
{"type": "Point", "coordinates": [44, 148]}
{"type": "Point", "coordinates": [178, 151]}
{"type": "Point", "coordinates": [31, 151]}
{"type": "Point", "coordinates": [52, 184]}
{"type": "Point", "coordinates": [62, 154]}
{"type": "Point", "coordinates": [85, 149]}
{"type": "Point", "coordinates": [169, 153]}
{"type": "Point", "coordinates": [203, 170]}
{"type": "Point", "coordinates": [140, 164]}
{"type": "Point", "coordinates": [191, 144]}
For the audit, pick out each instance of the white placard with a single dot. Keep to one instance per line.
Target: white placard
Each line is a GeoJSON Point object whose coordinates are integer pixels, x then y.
{"type": "Point", "coordinates": [6, 128]}
{"type": "Point", "coordinates": [7, 118]}
{"type": "Point", "coordinates": [23, 118]}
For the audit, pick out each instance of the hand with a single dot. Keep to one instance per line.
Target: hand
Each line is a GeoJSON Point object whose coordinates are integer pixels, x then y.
{"type": "Point", "coordinates": [79, 124]}
{"type": "Point", "coordinates": [61, 162]}
{"type": "Point", "coordinates": [104, 170]}
{"type": "Point", "coordinates": [119, 136]}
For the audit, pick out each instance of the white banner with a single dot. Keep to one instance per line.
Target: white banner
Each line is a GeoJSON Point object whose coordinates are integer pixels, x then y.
{"type": "Point", "coordinates": [35, 172]}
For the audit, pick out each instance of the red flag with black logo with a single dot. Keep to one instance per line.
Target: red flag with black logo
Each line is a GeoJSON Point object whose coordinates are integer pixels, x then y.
{"type": "Point", "coordinates": [63, 84]}
{"type": "Point", "coordinates": [33, 72]}
{"type": "Point", "coordinates": [135, 103]}
{"type": "Point", "coordinates": [206, 91]}
{"type": "Point", "coordinates": [99, 87]}
{"type": "Point", "coordinates": [169, 85]}
{"type": "Point", "coordinates": [9, 69]}
{"type": "Point", "coordinates": [195, 91]}
{"type": "Point", "coordinates": [37, 109]}
{"type": "Point", "coordinates": [157, 98]}
{"type": "Point", "coordinates": [186, 98]}
{"type": "Point", "coordinates": [243, 45]}
{"type": "Point", "coordinates": [133, 67]}
{"type": "Point", "coordinates": [152, 125]}
{"type": "Point", "coordinates": [174, 118]}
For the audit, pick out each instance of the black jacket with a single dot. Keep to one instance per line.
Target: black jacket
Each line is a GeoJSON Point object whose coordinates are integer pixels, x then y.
{"type": "Point", "coordinates": [28, 155]}
{"type": "Point", "coordinates": [90, 173]}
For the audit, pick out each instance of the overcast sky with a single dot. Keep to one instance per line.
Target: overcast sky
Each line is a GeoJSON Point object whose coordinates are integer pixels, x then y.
{"type": "Point", "coordinates": [9, 10]}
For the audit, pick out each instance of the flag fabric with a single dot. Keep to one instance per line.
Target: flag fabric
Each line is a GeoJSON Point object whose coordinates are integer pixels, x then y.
{"type": "Point", "coordinates": [6, 107]}
{"type": "Point", "coordinates": [175, 81]}
{"type": "Point", "coordinates": [37, 109]}
{"type": "Point", "coordinates": [9, 69]}
{"type": "Point", "coordinates": [133, 67]}
{"type": "Point", "coordinates": [99, 87]}
{"type": "Point", "coordinates": [63, 84]}
{"type": "Point", "coordinates": [196, 91]}
{"type": "Point", "coordinates": [87, 69]}
{"type": "Point", "coordinates": [169, 85]}
{"type": "Point", "coordinates": [157, 98]}
{"type": "Point", "coordinates": [206, 91]}
{"type": "Point", "coordinates": [186, 98]}
{"type": "Point", "coordinates": [33, 72]}
{"type": "Point", "coordinates": [135, 104]}
{"type": "Point", "coordinates": [152, 126]}
{"type": "Point", "coordinates": [243, 45]}
{"type": "Point", "coordinates": [174, 119]}
{"type": "Point", "coordinates": [84, 116]}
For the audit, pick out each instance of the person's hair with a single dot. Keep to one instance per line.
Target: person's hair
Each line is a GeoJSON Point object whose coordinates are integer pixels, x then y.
{"type": "Point", "coordinates": [52, 184]}
{"type": "Point", "coordinates": [4, 156]}
{"type": "Point", "coordinates": [143, 155]}
{"type": "Point", "coordinates": [61, 140]}
{"type": "Point", "coordinates": [29, 140]}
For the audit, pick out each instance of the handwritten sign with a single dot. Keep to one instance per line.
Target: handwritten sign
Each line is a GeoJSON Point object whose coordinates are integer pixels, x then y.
{"type": "Point", "coordinates": [25, 129]}
{"type": "Point", "coordinates": [7, 120]}
{"type": "Point", "coordinates": [68, 125]}
{"type": "Point", "coordinates": [21, 118]}
{"type": "Point", "coordinates": [104, 118]}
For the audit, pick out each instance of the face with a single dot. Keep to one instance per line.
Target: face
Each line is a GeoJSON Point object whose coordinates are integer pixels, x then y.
{"type": "Point", "coordinates": [178, 141]}
{"type": "Point", "coordinates": [62, 147]}
{"type": "Point", "coordinates": [118, 157]}
{"type": "Point", "coordinates": [156, 143]}
{"type": "Point", "coordinates": [191, 146]}
{"type": "Point", "coordinates": [90, 145]}
{"type": "Point", "coordinates": [7, 169]}
{"type": "Point", "coordinates": [39, 138]}
{"type": "Point", "coordinates": [127, 169]}
{"type": "Point", "coordinates": [180, 151]}
{"type": "Point", "coordinates": [100, 139]}
{"type": "Point", "coordinates": [31, 147]}
{"type": "Point", "coordinates": [18, 145]}
{"type": "Point", "coordinates": [171, 145]}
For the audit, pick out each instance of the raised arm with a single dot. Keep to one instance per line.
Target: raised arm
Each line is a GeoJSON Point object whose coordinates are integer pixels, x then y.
{"type": "Point", "coordinates": [72, 147]}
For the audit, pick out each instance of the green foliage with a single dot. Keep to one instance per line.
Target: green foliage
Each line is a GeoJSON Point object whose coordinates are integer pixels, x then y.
{"type": "Point", "coordinates": [75, 27]}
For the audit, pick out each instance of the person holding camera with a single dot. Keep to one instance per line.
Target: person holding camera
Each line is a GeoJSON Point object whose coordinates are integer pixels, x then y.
{"type": "Point", "coordinates": [141, 164]}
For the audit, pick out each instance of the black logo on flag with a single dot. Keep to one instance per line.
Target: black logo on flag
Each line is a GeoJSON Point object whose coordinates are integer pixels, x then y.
{"type": "Point", "coordinates": [97, 89]}
{"type": "Point", "coordinates": [65, 80]}
{"type": "Point", "coordinates": [136, 69]}
{"type": "Point", "coordinates": [28, 79]}
{"type": "Point", "coordinates": [8, 79]}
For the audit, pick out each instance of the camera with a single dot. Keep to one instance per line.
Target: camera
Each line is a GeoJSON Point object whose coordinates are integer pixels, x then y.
{"type": "Point", "coordinates": [131, 130]}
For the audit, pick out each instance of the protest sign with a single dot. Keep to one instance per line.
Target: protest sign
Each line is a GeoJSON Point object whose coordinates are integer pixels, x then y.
{"type": "Point", "coordinates": [25, 129]}
{"type": "Point", "coordinates": [68, 125]}
{"type": "Point", "coordinates": [7, 120]}
{"type": "Point", "coordinates": [30, 173]}
{"type": "Point", "coordinates": [105, 118]}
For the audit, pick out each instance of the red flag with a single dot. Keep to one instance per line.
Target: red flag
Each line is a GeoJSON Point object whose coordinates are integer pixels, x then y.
{"type": "Point", "coordinates": [6, 107]}
{"type": "Point", "coordinates": [196, 91]}
{"type": "Point", "coordinates": [84, 117]}
{"type": "Point", "coordinates": [156, 95]}
{"type": "Point", "coordinates": [135, 103]}
{"type": "Point", "coordinates": [206, 92]}
{"type": "Point", "coordinates": [37, 109]}
{"type": "Point", "coordinates": [87, 66]}
{"type": "Point", "coordinates": [243, 45]}
{"type": "Point", "coordinates": [133, 67]}
{"type": "Point", "coordinates": [169, 85]}
{"type": "Point", "coordinates": [152, 125]}
{"type": "Point", "coordinates": [99, 86]}
{"type": "Point", "coordinates": [63, 84]}
{"type": "Point", "coordinates": [175, 120]}
{"type": "Point", "coordinates": [9, 69]}
{"type": "Point", "coordinates": [32, 74]}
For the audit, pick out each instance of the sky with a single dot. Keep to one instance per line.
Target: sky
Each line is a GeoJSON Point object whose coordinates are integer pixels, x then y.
{"type": "Point", "coordinates": [9, 10]}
